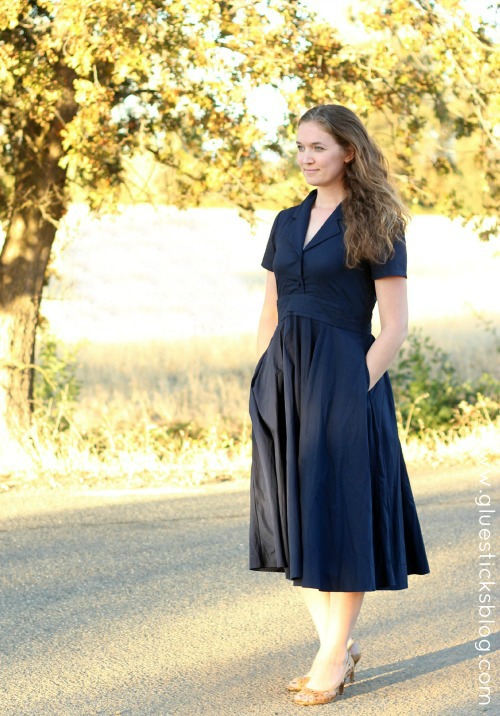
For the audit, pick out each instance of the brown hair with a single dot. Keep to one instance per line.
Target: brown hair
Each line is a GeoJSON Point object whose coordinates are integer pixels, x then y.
{"type": "Point", "coordinates": [374, 215]}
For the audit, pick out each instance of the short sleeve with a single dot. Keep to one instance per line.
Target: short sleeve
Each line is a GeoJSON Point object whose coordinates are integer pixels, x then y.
{"type": "Point", "coordinates": [267, 260]}
{"type": "Point", "coordinates": [395, 266]}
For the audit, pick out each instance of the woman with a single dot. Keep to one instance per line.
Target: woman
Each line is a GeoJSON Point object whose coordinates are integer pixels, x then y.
{"type": "Point", "coordinates": [331, 502]}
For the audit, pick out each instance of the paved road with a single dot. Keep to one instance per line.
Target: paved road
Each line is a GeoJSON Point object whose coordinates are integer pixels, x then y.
{"type": "Point", "coordinates": [142, 604]}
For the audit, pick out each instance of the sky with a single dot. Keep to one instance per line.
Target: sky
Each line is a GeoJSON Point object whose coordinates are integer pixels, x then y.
{"type": "Point", "coordinates": [337, 10]}
{"type": "Point", "coordinates": [268, 105]}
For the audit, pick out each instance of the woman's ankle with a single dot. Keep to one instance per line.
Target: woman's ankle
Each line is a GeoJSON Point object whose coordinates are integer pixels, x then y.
{"type": "Point", "coordinates": [334, 653]}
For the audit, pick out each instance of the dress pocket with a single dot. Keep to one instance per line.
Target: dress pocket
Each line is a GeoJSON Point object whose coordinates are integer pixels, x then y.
{"type": "Point", "coordinates": [367, 374]}
{"type": "Point", "coordinates": [257, 367]}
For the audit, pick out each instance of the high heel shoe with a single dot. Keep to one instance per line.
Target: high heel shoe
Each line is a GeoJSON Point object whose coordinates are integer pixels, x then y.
{"type": "Point", "coordinates": [299, 682]}
{"type": "Point", "coordinates": [313, 697]}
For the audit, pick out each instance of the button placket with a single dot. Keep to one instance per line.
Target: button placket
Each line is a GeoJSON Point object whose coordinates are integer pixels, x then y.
{"type": "Point", "coordinates": [300, 280]}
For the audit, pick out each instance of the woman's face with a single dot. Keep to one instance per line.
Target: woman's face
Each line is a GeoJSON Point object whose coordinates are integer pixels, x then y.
{"type": "Point", "coordinates": [321, 159]}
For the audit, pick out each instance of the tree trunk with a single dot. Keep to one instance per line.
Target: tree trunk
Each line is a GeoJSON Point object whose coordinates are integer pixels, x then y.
{"type": "Point", "coordinates": [39, 203]}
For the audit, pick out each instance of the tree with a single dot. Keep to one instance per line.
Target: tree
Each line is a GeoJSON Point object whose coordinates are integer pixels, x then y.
{"type": "Point", "coordinates": [433, 70]}
{"type": "Point", "coordinates": [82, 83]}
{"type": "Point", "coordinates": [426, 75]}
{"type": "Point", "coordinates": [85, 84]}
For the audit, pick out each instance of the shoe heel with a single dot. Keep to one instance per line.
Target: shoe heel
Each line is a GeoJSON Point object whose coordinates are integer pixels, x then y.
{"type": "Point", "coordinates": [341, 687]}
{"type": "Point", "coordinates": [350, 672]}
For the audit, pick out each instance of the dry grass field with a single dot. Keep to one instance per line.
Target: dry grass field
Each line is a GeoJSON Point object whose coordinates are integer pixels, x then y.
{"type": "Point", "coordinates": [163, 306]}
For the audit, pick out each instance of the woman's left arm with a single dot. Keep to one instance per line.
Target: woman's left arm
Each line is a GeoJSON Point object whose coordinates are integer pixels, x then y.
{"type": "Point", "coordinates": [393, 310]}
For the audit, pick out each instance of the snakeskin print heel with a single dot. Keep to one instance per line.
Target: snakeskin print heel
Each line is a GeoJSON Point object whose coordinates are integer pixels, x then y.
{"type": "Point", "coordinates": [299, 682]}
{"type": "Point", "coordinates": [313, 697]}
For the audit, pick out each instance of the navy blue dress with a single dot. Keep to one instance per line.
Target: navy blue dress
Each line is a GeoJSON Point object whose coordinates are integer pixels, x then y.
{"type": "Point", "coordinates": [331, 502]}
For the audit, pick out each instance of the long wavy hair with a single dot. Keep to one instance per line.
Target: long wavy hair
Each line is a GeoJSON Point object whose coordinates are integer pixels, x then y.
{"type": "Point", "coordinates": [374, 215]}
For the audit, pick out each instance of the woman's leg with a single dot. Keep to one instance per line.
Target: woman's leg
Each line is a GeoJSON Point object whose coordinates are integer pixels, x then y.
{"type": "Point", "coordinates": [318, 604]}
{"type": "Point", "coordinates": [335, 624]}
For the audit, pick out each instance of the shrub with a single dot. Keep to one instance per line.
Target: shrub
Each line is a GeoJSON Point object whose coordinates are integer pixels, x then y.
{"type": "Point", "coordinates": [56, 386]}
{"type": "Point", "coordinates": [429, 395]}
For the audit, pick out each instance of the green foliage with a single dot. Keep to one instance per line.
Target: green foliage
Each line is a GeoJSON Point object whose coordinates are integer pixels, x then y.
{"type": "Point", "coordinates": [429, 395]}
{"type": "Point", "coordinates": [56, 387]}
{"type": "Point", "coordinates": [103, 81]}
{"type": "Point", "coordinates": [169, 78]}
{"type": "Point", "coordinates": [433, 69]}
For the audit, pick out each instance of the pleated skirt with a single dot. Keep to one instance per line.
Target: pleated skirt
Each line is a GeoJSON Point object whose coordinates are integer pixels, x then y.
{"type": "Point", "coordinates": [331, 504]}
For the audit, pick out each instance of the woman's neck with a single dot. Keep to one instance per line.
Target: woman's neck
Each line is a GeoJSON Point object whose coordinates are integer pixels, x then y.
{"type": "Point", "coordinates": [329, 197]}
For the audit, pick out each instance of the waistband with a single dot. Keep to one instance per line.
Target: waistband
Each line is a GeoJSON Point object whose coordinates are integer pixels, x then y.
{"type": "Point", "coordinates": [303, 304]}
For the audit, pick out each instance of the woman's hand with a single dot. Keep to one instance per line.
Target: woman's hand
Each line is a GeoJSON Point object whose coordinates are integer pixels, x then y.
{"type": "Point", "coordinates": [269, 315]}
{"type": "Point", "coordinates": [393, 309]}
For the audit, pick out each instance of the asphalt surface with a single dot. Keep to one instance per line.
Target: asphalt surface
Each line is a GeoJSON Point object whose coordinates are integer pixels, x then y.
{"type": "Point", "coordinates": [142, 604]}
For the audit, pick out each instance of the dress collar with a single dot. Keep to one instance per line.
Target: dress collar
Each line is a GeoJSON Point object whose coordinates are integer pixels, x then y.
{"type": "Point", "coordinates": [332, 226]}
